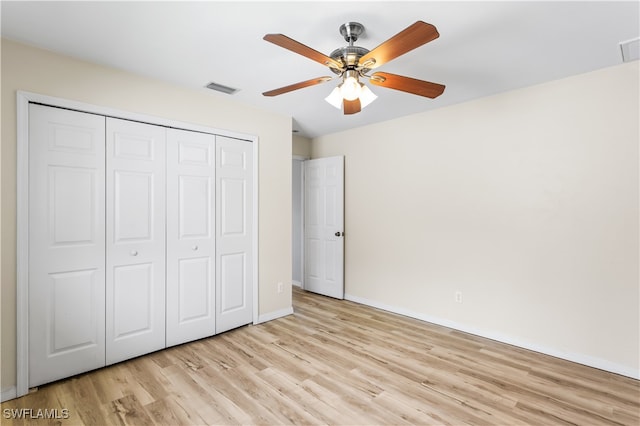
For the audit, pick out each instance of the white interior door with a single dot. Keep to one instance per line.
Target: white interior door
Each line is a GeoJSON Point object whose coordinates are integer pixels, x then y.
{"type": "Point", "coordinates": [66, 243]}
{"type": "Point", "coordinates": [135, 229]}
{"type": "Point", "coordinates": [234, 228]}
{"type": "Point", "coordinates": [190, 236]}
{"type": "Point", "coordinates": [324, 226]}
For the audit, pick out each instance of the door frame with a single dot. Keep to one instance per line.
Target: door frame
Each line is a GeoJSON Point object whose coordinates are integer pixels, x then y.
{"type": "Point", "coordinates": [23, 99]}
{"type": "Point", "coordinates": [302, 159]}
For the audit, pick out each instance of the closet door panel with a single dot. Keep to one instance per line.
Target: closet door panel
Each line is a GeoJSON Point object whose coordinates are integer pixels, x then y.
{"type": "Point", "coordinates": [133, 201]}
{"type": "Point", "coordinates": [190, 236]}
{"type": "Point", "coordinates": [135, 229]}
{"type": "Point", "coordinates": [234, 255]}
{"type": "Point", "coordinates": [232, 273]}
{"type": "Point", "coordinates": [132, 300]}
{"type": "Point", "coordinates": [66, 243]}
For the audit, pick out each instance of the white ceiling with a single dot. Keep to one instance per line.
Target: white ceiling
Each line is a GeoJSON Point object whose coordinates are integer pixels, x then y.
{"type": "Point", "coordinates": [484, 47]}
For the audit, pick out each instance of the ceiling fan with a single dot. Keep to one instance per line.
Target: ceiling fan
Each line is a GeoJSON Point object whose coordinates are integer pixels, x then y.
{"type": "Point", "coordinates": [351, 63]}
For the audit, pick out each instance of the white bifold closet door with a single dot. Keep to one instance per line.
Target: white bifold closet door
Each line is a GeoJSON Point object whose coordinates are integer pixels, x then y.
{"type": "Point", "coordinates": [190, 236]}
{"type": "Point", "coordinates": [66, 243]}
{"type": "Point", "coordinates": [140, 237]}
{"type": "Point", "coordinates": [234, 229]}
{"type": "Point", "coordinates": [135, 231]}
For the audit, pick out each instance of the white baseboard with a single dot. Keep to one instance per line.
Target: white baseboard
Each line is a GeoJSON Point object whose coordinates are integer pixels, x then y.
{"type": "Point", "coordinates": [583, 359]}
{"type": "Point", "coordinates": [8, 393]}
{"type": "Point", "coordinates": [296, 283]}
{"type": "Point", "coordinates": [275, 315]}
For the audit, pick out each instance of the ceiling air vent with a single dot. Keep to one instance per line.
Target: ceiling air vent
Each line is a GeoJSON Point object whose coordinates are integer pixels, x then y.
{"type": "Point", "coordinates": [221, 88]}
{"type": "Point", "coordinates": [630, 50]}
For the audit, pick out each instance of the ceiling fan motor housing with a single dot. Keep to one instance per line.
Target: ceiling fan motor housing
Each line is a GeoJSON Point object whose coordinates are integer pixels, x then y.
{"type": "Point", "coordinates": [349, 56]}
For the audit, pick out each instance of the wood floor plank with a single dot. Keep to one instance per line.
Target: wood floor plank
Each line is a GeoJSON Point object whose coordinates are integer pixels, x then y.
{"type": "Point", "coordinates": [130, 411]}
{"type": "Point", "coordinates": [340, 363]}
{"type": "Point", "coordinates": [297, 394]}
{"type": "Point", "coordinates": [204, 401]}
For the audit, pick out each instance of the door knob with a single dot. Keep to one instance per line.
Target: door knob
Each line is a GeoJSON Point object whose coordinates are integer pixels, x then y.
{"type": "Point", "coordinates": [339, 234]}
{"type": "Point", "coordinates": [134, 252]}
{"type": "Point", "coordinates": [194, 248]}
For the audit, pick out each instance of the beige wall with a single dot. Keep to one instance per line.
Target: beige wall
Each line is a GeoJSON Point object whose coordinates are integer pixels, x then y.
{"type": "Point", "coordinates": [29, 69]}
{"type": "Point", "coordinates": [301, 146]}
{"type": "Point", "coordinates": [526, 202]}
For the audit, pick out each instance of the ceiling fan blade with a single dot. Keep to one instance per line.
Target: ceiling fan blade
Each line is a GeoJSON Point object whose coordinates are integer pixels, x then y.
{"type": "Point", "coordinates": [351, 107]}
{"type": "Point", "coordinates": [297, 86]}
{"type": "Point", "coordinates": [299, 48]}
{"type": "Point", "coordinates": [406, 40]}
{"type": "Point", "coordinates": [407, 84]}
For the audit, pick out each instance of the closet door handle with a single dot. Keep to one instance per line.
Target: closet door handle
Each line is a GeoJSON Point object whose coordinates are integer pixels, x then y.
{"type": "Point", "coordinates": [194, 248]}
{"type": "Point", "coordinates": [134, 252]}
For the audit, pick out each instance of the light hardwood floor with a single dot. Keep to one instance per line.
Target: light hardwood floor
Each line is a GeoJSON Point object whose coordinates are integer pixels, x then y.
{"type": "Point", "coordinates": [337, 362]}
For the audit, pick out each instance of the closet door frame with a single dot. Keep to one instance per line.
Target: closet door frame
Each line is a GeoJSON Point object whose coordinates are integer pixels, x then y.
{"type": "Point", "coordinates": [23, 99]}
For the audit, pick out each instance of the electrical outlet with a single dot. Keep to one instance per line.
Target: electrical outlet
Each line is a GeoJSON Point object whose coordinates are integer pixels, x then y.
{"type": "Point", "coordinates": [458, 296]}
{"type": "Point", "coordinates": [280, 287]}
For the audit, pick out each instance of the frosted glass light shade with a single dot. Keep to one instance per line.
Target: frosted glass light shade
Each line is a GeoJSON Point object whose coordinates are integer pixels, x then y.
{"type": "Point", "coordinates": [335, 98]}
{"type": "Point", "coordinates": [366, 96]}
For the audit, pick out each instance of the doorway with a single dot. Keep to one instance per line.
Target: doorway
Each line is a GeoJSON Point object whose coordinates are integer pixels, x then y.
{"type": "Point", "coordinates": [318, 225]}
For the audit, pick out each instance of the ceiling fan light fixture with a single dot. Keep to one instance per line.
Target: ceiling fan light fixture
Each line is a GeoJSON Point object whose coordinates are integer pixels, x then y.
{"type": "Point", "coordinates": [335, 97]}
